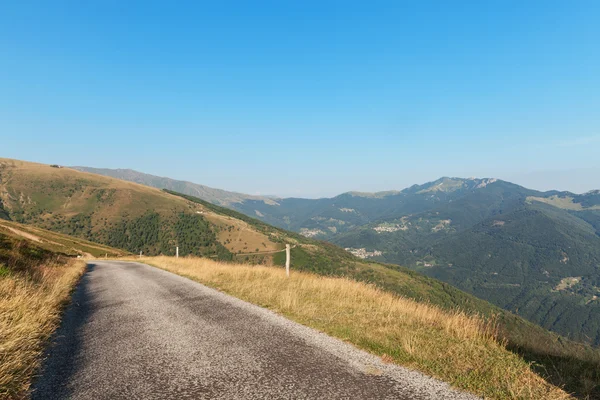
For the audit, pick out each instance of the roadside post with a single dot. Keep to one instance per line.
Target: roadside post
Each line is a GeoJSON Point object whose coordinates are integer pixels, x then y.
{"type": "Point", "coordinates": [287, 260]}
{"type": "Point", "coordinates": [287, 250]}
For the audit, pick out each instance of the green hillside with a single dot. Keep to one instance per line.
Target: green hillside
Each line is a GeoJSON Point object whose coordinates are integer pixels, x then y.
{"type": "Point", "coordinates": [522, 261]}
{"type": "Point", "coordinates": [504, 246]}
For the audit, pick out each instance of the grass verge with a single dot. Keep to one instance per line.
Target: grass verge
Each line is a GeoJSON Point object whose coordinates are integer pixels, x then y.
{"type": "Point", "coordinates": [34, 287]}
{"type": "Point", "coordinates": [455, 347]}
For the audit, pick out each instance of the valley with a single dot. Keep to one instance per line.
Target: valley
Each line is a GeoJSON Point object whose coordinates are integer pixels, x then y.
{"type": "Point", "coordinates": [499, 241]}
{"type": "Point", "coordinates": [438, 229]}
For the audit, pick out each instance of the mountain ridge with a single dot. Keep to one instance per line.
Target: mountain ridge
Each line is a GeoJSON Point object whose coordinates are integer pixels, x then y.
{"type": "Point", "coordinates": [227, 198]}
{"type": "Point", "coordinates": [218, 196]}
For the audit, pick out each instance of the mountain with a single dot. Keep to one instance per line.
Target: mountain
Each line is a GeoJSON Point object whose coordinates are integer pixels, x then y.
{"type": "Point", "coordinates": [138, 218]}
{"type": "Point", "coordinates": [533, 253]}
{"type": "Point", "coordinates": [120, 214]}
{"type": "Point", "coordinates": [320, 218]}
{"type": "Point", "coordinates": [504, 243]}
{"type": "Point", "coordinates": [328, 218]}
{"type": "Point", "coordinates": [216, 196]}
{"type": "Point", "coordinates": [535, 261]}
{"type": "Point", "coordinates": [135, 218]}
{"type": "Point", "coordinates": [536, 254]}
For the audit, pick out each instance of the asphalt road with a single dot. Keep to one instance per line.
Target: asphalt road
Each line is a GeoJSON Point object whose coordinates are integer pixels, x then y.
{"type": "Point", "coordinates": [137, 332]}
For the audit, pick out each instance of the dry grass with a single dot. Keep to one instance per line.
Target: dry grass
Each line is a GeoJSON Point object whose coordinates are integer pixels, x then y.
{"type": "Point", "coordinates": [56, 242]}
{"type": "Point", "coordinates": [455, 347]}
{"type": "Point", "coordinates": [30, 307]}
{"type": "Point", "coordinates": [48, 192]}
{"type": "Point", "coordinates": [45, 195]}
{"type": "Point", "coordinates": [239, 236]}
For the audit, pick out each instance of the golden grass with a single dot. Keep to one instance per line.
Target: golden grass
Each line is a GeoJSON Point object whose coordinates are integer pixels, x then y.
{"type": "Point", "coordinates": [35, 186]}
{"type": "Point", "coordinates": [49, 193]}
{"type": "Point", "coordinates": [30, 307]}
{"type": "Point", "coordinates": [56, 242]}
{"type": "Point", "coordinates": [242, 237]}
{"type": "Point", "coordinates": [452, 346]}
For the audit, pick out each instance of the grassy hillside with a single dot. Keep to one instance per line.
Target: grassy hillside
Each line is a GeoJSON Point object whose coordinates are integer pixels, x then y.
{"type": "Point", "coordinates": [216, 196]}
{"type": "Point", "coordinates": [120, 214]}
{"type": "Point", "coordinates": [565, 363]}
{"type": "Point", "coordinates": [38, 270]}
{"type": "Point", "coordinates": [58, 243]}
{"type": "Point", "coordinates": [134, 217]}
{"type": "Point", "coordinates": [450, 345]}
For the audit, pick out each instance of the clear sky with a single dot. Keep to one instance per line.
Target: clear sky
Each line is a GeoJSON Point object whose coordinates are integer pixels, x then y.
{"type": "Point", "coordinates": [306, 98]}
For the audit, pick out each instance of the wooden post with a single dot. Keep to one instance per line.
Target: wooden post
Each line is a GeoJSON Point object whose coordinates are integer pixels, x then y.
{"type": "Point", "coordinates": [140, 254]}
{"type": "Point", "coordinates": [177, 252]}
{"type": "Point", "coordinates": [287, 260]}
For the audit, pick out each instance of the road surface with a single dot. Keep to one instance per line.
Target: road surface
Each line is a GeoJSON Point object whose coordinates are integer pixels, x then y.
{"type": "Point", "coordinates": [138, 332]}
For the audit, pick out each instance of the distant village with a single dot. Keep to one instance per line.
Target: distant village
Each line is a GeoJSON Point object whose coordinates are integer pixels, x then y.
{"type": "Point", "coordinates": [311, 232]}
{"type": "Point", "coordinates": [363, 253]}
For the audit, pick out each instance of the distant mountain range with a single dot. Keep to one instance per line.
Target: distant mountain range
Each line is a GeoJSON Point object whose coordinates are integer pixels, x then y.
{"type": "Point", "coordinates": [215, 196]}
{"type": "Point", "coordinates": [534, 253]}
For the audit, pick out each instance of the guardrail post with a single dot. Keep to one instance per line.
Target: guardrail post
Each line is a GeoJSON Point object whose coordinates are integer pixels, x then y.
{"type": "Point", "coordinates": [287, 260]}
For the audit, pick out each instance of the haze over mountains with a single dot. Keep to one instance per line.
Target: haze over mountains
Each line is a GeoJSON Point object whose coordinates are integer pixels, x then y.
{"type": "Point", "coordinates": [534, 253]}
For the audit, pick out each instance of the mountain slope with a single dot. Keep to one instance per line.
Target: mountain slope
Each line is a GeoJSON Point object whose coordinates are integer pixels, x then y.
{"type": "Point", "coordinates": [535, 254]}
{"type": "Point", "coordinates": [57, 243]}
{"type": "Point", "coordinates": [543, 267]}
{"type": "Point", "coordinates": [328, 218]}
{"type": "Point", "coordinates": [3, 213]}
{"type": "Point", "coordinates": [118, 213]}
{"type": "Point", "coordinates": [216, 196]}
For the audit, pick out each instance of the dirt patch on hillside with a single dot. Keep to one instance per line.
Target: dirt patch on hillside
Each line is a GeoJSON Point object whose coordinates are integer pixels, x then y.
{"type": "Point", "coordinates": [25, 234]}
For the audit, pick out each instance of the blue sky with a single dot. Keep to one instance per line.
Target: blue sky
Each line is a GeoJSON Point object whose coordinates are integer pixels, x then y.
{"type": "Point", "coordinates": [309, 98]}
